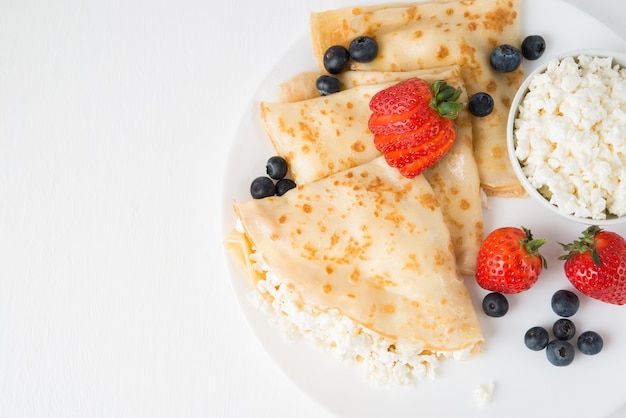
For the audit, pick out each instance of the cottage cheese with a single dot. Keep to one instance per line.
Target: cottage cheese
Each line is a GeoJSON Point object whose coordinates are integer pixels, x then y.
{"type": "Point", "coordinates": [382, 361]}
{"type": "Point", "coordinates": [570, 136]}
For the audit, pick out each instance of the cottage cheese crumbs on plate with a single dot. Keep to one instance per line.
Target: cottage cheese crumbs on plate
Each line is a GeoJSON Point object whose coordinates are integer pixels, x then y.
{"type": "Point", "coordinates": [483, 394]}
{"type": "Point", "coordinates": [570, 136]}
{"type": "Point", "coordinates": [382, 361]}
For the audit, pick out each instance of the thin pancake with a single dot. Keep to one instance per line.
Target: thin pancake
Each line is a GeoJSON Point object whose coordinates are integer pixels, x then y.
{"type": "Point", "coordinates": [425, 35]}
{"type": "Point", "coordinates": [324, 135]}
{"type": "Point", "coordinates": [390, 267]}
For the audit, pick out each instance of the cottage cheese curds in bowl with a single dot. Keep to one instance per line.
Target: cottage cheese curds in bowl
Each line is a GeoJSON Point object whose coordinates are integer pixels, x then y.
{"type": "Point", "coordinates": [566, 136]}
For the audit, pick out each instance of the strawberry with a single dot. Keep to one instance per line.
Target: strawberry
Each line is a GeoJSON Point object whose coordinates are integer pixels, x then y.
{"type": "Point", "coordinates": [412, 123]}
{"type": "Point", "coordinates": [509, 260]}
{"type": "Point", "coordinates": [596, 265]}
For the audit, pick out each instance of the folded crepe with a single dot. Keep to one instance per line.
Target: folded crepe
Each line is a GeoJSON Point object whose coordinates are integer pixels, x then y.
{"type": "Point", "coordinates": [320, 136]}
{"type": "Point", "coordinates": [424, 35]}
{"type": "Point", "coordinates": [372, 245]}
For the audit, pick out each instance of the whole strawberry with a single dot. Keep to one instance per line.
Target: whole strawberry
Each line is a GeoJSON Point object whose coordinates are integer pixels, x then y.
{"type": "Point", "coordinates": [596, 265]}
{"type": "Point", "coordinates": [412, 123]}
{"type": "Point", "coordinates": [509, 260]}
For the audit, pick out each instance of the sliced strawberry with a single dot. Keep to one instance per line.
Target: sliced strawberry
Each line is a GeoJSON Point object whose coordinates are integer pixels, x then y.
{"type": "Point", "coordinates": [401, 97]}
{"type": "Point", "coordinates": [417, 157]}
{"type": "Point", "coordinates": [397, 123]}
{"type": "Point", "coordinates": [423, 160]}
{"type": "Point", "coordinates": [392, 142]}
{"type": "Point", "coordinates": [412, 123]}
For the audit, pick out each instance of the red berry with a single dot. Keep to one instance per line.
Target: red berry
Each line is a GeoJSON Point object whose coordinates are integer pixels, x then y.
{"type": "Point", "coordinates": [509, 260]}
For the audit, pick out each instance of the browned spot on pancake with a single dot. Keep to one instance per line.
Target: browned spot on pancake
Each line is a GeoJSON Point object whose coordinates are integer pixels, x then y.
{"type": "Point", "coordinates": [450, 11]}
{"type": "Point", "coordinates": [358, 146]}
{"type": "Point", "coordinates": [355, 276]}
{"type": "Point", "coordinates": [349, 105]}
{"type": "Point", "coordinates": [282, 219]}
{"type": "Point", "coordinates": [469, 15]}
{"type": "Point", "coordinates": [471, 26]}
{"type": "Point", "coordinates": [372, 309]}
{"type": "Point", "coordinates": [309, 251]}
{"type": "Point", "coordinates": [274, 237]}
{"type": "Point", "coordinates": [307, 133]}
{"type": "Point", "coordinates": [428, 200]}
{"type": "Point", "coordinates": [412, 264]}
{"type": "Point", "coordinates": [395, 218]}
{"type": "Point", "coordinates": [443, 52]}
{"type": "Point", "coordinates": [351, 296]}
{"type": "Point", "coordinates": [443, 301]}
{"type": "Point", "coordinates": [465, 205]}
{"type": "Point", "coordinates": [389, 309]}
{"type": "Point", "coordinates": [454, 190]}
{"type": "Point", "coordinates": [498, 19]}
{"type": "Point", "coordinates": [440, 258]}
{"type": "Point", "coordinates": [365, 174]}
{"type": "Point", "coordinates": [492, 86]}
{"type": "Point", "coordinates": [506, 101]}
{"type": "Point", "coordinates": [418, 34]}
{"type": "Point", "coordinates": [327, 288]}
{"type": "Point", "coordinates": [282, 126]}
{"type": "Point", "coordinates": [411, 13]}
{"type": "Point", "coordinates": [515, 78]}
{"type": "Point", "coordinates": [306, 208]}
{"type": "Point", "coordinates": [496, 152]}
{"type": "Point", "coordinates": [329, 270]}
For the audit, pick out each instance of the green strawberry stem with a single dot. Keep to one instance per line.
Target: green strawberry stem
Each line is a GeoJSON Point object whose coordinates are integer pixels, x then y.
{"type": "Point", "coordinates": [444, 100]}
{"type": "Point", "coordinates": [532, 245]}
{"type": "Point", "coordinates": [582, 245]}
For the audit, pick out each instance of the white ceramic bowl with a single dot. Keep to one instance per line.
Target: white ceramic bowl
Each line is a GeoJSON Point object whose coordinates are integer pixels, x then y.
{"type": "Point", "coordinates": [619, 59]}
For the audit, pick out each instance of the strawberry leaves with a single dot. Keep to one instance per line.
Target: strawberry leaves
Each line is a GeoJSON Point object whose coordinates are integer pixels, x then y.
{"type": "Point", "coordinates": [585, 243]}
{"type": "Point", "coordinates": [444, 100]}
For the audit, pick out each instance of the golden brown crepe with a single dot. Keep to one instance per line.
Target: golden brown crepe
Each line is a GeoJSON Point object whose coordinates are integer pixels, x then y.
{"type": "Point", "coordinates": [425, 35]}
{"type": "Point", "coordinates": [324, 135]}
{"type": "Point", "coordinates": [373, 245]}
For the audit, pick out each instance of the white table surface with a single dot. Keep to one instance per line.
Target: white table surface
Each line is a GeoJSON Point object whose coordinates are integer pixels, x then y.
{"type": "Point", "coordinates": [115, 120]}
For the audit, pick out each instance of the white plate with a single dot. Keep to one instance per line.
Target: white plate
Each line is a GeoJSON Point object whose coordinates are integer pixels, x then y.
{"type": "Point", "coordinates": [525, 383]}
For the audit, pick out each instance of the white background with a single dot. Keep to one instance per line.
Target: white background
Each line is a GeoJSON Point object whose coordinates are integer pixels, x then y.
{"type": "Point", "coordinates": [116, 118]}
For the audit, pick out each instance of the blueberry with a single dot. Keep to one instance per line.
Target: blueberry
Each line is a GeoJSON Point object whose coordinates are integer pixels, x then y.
{"type": "Point", "coordinates": [536, 338]}
{"type": "Point", "coordinates": [284, 185]}
{"type": "Point", "coordinates": [495, 305]}
{"type": "Point", "coordinates": [506, 58]}
{"type": "Point", "coordinates": [533, 47]}
{"type": "Point", "coordinates": [480, 104]}
{"type": "Point", "coordinates": [565, 303]}
{"type": "Point", "coordinates": [327, 84]}
{"type": "Point", "coordinates": [276, 167]}
{"type": "Point", "coordinates": [564, 329]}
{"type": "Point", "coordinates": [363, 49]}
{"type": "Point", "coordinates": [560, 353]}
{"type": "Point", "coordinates": [336, 59]}
{"type": "Point", "coordinates": [262, 187]}
{"type": "Point", "coordinates": [590, 343]}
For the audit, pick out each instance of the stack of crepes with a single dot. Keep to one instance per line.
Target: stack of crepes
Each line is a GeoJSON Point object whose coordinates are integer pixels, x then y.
{"type": "Point", "coordinates": [355, 239]}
